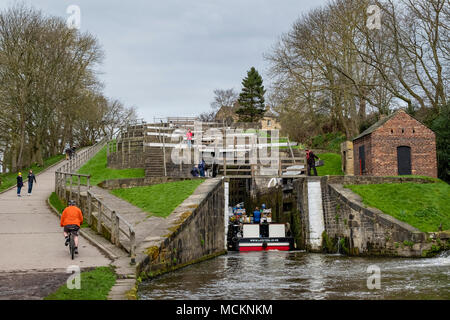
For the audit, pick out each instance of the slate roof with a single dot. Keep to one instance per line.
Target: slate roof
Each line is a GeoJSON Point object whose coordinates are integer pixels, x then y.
{"type": "Point", "coordinates": [378, 124]}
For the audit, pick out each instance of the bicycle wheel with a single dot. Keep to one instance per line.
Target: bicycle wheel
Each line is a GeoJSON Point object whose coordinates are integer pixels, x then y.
{"type": "Point", "coordinates": [72, 246]}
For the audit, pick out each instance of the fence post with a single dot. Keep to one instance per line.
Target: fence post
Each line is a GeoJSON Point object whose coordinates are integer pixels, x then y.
{"type": "Point", "coordinates": [70, 193]}
{"type": "Point", "coordinates": [79, 191]}
{"type": "Point", "coordinates": [115, 231]}
{"type": "Point", "coordinates": [99, 216]}
{"type": "Point", "coordinates": [132, 247]}
{"type": "Point", "coordinates": [89, 207]}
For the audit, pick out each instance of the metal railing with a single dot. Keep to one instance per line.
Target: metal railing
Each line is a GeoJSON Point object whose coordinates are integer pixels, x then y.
{"type": "Point", "coordinates": [69, 184]}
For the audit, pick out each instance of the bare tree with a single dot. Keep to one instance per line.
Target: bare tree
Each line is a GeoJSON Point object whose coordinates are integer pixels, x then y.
{"type": "Point", "coordinates": [224, 98]}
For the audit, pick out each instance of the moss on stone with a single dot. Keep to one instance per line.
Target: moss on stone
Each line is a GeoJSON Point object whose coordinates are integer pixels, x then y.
{"type": "Point", "coordinates": [152, 252]}
{"type": "Point", "coordinates": [328, 245]}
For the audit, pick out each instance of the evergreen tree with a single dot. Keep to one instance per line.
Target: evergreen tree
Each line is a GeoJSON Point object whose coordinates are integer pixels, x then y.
{"type": "Point", "coordinates": [251, 99]}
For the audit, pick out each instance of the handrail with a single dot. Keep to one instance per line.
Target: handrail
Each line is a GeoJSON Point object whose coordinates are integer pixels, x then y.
{"type": "Point", "coordinates": [112, 221]}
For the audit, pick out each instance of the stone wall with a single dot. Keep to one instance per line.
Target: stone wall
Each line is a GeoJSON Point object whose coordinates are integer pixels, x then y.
{"type": "Point", "coordinates": [368, 231]}
{"type": "Point", "coordinates": [347, 158]}
{"type": "Point", "coordinates": [350, 227]}
{"type": "Point", "coordinates": [132, 160]}
{"type": "Point", "coordinates": [199, 233]}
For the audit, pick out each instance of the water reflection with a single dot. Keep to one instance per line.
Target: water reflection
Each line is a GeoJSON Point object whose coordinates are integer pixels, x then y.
{"type": "Point", "coordinates": [300, 275]}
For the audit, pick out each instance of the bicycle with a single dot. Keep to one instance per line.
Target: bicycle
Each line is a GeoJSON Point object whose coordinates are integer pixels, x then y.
{"type": "Point", "coordinates": [72, 242]}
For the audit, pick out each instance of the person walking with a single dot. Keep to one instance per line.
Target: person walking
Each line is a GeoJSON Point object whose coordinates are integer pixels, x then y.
{"type": "Point", "coordinates": [311, 162]}
{"type": "Point", "coordinates": [19, 183]}
{"type": "Point", "coordinates": [202, 168]}
{"type": "Point", "coordinates": [73, 152]}
{"type": "Point", "coordinates": [189, 138]}
{"type": "Point", "coordinates": [31, 180]}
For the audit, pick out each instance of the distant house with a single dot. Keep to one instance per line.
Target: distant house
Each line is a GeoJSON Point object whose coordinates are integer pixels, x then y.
{"type": "Point", "coordinates": [397, 144]}
{"type": "Point", "coordinates": [229, 115]}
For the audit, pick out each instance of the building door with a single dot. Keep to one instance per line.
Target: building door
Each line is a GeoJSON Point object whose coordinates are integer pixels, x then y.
{"type": "Point", "coordinates": [362, 160]}
{"type": "Point", "coordinates": [404, 160]}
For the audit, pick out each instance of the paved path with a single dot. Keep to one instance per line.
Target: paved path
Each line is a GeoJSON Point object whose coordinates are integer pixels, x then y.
{"type": "Point", "coordinates": [31, 239]}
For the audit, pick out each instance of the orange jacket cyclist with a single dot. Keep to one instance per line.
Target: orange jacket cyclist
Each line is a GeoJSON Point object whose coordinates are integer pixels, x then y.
{"type": "Point", "coordinates": [71, 219]}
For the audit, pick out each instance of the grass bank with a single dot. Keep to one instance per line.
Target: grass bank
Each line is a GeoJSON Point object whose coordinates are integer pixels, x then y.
{"type": "Point", "coordinates": [60, 205]}
{"type": "Point", "coordinates": [332, 165]}
{"type": "Point", "coordinates": [7, 180]}
{"type": "Point", "coordinates": [160, 199]}
{"type": "Point", "coordinates": [97, 168]}
{"type": "Point", "coordinates": [95, 285]}
{"type": "Point", "coordinates": [423, 206]}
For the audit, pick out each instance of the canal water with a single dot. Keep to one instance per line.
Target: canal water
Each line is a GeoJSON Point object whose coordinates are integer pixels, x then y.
{"type": "Point", "coordinates": [299, 275]}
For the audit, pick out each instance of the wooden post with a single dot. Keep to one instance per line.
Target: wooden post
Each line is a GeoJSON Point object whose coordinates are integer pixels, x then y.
{"type": "Point", "coordinates": [89, 183]}
{"type": "Point", "coordinates": [114, 227]}
{"type": "Point", "coordinates": [89, 209]}
{"type": "Point", "coordinates": [132, 247]}
{"type": "Point", "coordinates": [164, 155]}
{"type": "Point", "coordinates": [79, 191]}
{"type": "Point", "coordinates": [279, 166]}
{"type": "Point", "coordinates": [70, 193]}
{"type": "Point", "coordinates": [224, 153]}
{"type": "Point", "coordinates": [56, 182]}
{"type": "Point", "coordinates": [99, 216]}
{"type": "Point", "coordinates": [129, 153]}
{"type": "Point", "coordinates": [123, 155]}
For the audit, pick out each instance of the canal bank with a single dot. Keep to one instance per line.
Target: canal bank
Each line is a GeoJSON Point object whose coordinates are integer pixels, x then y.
{"type": "Point", "coordinates": [323, 216]}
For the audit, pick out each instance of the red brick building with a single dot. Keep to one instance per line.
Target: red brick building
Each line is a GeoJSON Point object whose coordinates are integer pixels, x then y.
{"type": "Point", "coordinates": [396, 145]}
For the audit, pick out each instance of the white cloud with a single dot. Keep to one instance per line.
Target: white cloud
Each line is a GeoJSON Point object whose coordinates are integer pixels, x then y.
{"type": "Point", "coordinates": [167, 57]}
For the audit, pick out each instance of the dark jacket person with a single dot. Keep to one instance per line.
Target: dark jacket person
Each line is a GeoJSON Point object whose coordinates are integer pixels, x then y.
{"type": "Point", "coordinates": [31, 180]}
{"type": "Point", "coordinates": [19, 184]}
{"type": "Point", "coordinates": [311, 159]}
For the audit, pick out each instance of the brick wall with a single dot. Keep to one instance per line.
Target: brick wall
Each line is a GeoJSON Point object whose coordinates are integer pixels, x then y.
{"type": "Point", "coordinates": [381, 147]}
{"type": "Point", "coordinates": [367, 143]}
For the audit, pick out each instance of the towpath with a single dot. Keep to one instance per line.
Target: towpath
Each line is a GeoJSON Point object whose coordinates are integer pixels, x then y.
{"type": "Point", "coordinates": [31, 240]}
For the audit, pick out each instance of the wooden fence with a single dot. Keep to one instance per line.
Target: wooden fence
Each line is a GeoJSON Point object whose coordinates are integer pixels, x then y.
{"type": "Point", "coordinates": [70, 185]}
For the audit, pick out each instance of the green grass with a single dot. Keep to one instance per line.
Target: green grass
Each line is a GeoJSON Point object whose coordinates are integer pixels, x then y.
{"type": "Point", "coordinates": [329, 141]}
{"type": "Point", "coordinates": [160, 199]}
{"type": "Point", "coordinates": [60, 205]}
{"type": "Point", "coordinates": [332, 165]}
{"type": "Point", "coordinates": [423, 206]}
{"type": "Point", "coordinates": [97, 168]}
{"type": "Point", "coordinates": [95, 285]}
{"type": "Point", "coordinates": [7, 180]}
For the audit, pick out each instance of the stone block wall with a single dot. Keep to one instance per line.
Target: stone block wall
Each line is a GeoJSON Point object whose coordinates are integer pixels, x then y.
{"type": "Point", "coordinates": [368, 231]}
{"type": "Point", "coordinates": [199, 233]}
{"type": "Point", "coordinates": [347, 158]}
{"type": "Point", "coordinates": [132, 160]}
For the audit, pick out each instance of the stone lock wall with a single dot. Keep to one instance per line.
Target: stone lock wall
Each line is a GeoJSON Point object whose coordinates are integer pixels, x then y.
{"type": "Point", "coordinates": [356, 230]}
{"type": "Point", "coordinates": [199, 235]}
{"type": "Point", "coordinates": [350, 227]}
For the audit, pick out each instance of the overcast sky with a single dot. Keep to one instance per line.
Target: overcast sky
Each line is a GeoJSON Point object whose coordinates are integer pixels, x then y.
{"type": "Point", "coordinates": [166, 57]}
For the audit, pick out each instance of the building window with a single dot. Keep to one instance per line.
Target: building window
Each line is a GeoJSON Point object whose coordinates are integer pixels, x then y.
{"type": "Point", "coordinates": [392, 131]}
{"type": "Point", "coordinates": [403, 130]}
{"type": "Point", "coordinates": [414, 131]}
{"type": "Point", "coordinates": [268, 123]}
